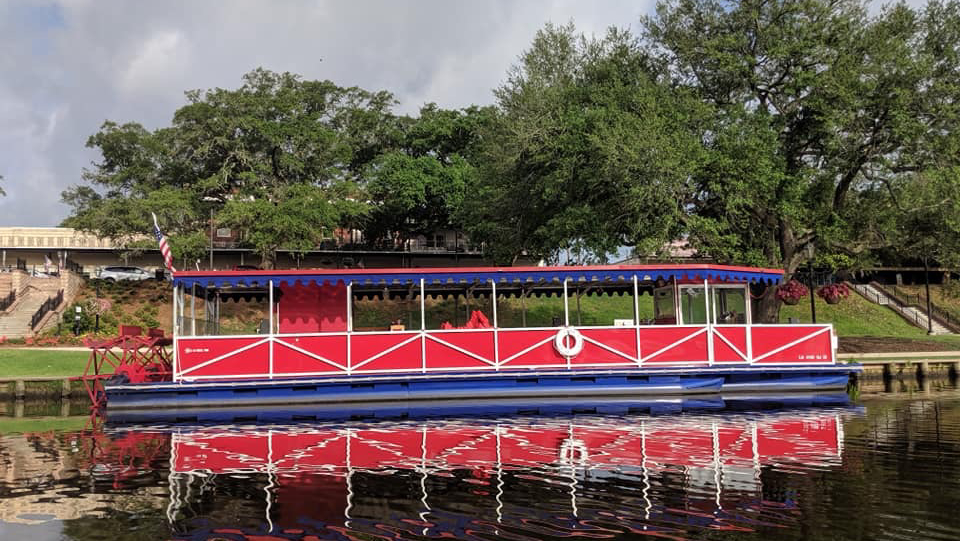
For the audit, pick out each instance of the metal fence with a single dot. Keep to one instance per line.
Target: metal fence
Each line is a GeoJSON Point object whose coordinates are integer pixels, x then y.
{"type": "Point", "coordinates": [48, 305]}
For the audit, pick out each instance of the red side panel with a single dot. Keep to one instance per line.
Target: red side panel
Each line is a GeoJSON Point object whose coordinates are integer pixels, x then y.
{"type": "Point", "coordinates": [194, 352]}
{"type": "Point", "coordinates": [363, 347]}
{"type": "Point", "coordinates": [373, 352]}
{"type": "Point", "coordinates": [730, 345]}
{"type": "Point", "coordinates": [513, 343]}
{"type": "Point", "coordinates": [667, 341]}
{"type": "Point", "coordinates": [809, 345]}
{"type": "Point", "coordinates": [623, 341]}
{"type": "Point", "coordinates": [448, 350]}
{"type": "Point", "coordinates": [313, 308]}
{"type": "Point", "coordinates": [288, 360]}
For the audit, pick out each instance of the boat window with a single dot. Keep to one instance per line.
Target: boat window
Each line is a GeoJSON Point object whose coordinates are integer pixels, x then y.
{"type": "Point", "coordinates": [530, 306]}
{"type": "Point", "coordinates": [607, 305]}
{"type": "Point", "coordinates": [730, 305]}
{"type": "Point", "coordinates": [460, 308]}
{"type": "Point", "coordinates": [386, 309]}
{"type": "Point", "coordinates": [693, 305]}
{"type": "Point", "coordinates": [664, 306]}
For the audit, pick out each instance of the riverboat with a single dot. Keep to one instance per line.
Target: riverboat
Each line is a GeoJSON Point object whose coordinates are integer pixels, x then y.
{"type": "Point", "coordinates": [687, 329]}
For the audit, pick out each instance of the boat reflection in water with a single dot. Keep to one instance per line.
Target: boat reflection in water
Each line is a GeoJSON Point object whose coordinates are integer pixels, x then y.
{"type": "Point", "coordinates": [531, 476]}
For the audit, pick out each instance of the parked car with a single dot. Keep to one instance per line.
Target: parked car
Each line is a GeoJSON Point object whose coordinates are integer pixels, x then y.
{"type": "Point", "coordinates": [115, 274]}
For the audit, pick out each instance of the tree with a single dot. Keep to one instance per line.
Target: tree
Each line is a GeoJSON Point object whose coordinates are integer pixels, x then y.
{"type": "Point", "coordinates": [927, 226]}
{"type": "Point", "coordinates": [297, 219]}
{"type": "Point", "coordinates": [419, 187]}
{"type": "Point", "coordinates": [136, 177]}
{"type": "Point", "coordinates": [822, 115]}
{"type": "Point", "coordinates": [588, 148]}
{"type": "Point", "coordinates": [253, 154]}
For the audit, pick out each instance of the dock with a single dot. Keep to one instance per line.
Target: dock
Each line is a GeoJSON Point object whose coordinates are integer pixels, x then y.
{"type": "Point", "coordinates": [899, 364]}
{"type": "Point", "coordinates": [20, 384]}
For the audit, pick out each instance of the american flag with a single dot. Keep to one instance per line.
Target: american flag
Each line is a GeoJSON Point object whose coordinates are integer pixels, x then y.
{"type": "Point", "coordinates": [164, 247]}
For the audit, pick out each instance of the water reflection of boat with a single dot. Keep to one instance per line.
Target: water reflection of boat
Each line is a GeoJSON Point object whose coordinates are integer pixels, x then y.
{"type": "Point", "coordinates": [466, 476]}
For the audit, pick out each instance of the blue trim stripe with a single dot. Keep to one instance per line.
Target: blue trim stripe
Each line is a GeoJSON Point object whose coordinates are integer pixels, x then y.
{"type": "Point", "coordinates": [470, 277]}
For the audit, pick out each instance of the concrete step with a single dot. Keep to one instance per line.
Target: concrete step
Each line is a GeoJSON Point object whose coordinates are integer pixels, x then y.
{"type": "Point", "coordinates": [16, 324]}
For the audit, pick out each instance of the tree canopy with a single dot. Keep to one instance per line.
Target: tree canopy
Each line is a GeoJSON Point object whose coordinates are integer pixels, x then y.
{"type": "Point", "coordinates": [823, 116]}
{"type": "Point", "coordinates": [255, 154]}
{"type": "Point", "coordinates": [588, 149]}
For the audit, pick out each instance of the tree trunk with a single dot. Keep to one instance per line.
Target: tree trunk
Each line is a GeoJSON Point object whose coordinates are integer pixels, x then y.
{"type": "Point", "coordinates": [767, 307]}
{"type": "Point", "coordinates": [268, 261]}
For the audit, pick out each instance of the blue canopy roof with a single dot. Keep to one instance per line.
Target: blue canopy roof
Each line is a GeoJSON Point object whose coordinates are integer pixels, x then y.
{"type": "Point", "coordinates": [466, 276]}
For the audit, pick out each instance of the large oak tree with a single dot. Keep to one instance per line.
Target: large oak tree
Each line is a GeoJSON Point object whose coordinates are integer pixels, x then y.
{"type": "Point", "coordinates": [823, 117]}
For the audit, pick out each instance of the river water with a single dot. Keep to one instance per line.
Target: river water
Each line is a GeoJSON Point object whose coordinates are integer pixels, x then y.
{"type": "Point", "coordinates": [884, 464]}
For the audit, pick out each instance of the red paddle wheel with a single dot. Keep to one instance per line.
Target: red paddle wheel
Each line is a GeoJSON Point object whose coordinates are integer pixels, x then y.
{"type": "Point", "coordinates": [130, 357]}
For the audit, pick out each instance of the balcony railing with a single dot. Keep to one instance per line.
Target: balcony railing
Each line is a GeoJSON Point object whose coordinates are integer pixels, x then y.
{"type": "Point", "coordinates": [410, 246]}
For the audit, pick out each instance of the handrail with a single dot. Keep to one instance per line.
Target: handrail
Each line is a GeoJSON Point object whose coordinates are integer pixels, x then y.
{"type": "Point", "coordinates": [941, 315]}
{"type": "Point", "coordinates": [48, 305]}
{"type": "Point", "coordinates": [73, 266]}
{"type": "Point", "coordinates": [879, 296]}
{"type": "Point", "coordinates": [7, 301]}
{"type": "Point", "coordinates": [938, 314]}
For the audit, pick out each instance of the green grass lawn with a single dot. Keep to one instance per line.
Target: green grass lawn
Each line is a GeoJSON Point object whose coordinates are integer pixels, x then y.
{"type": "Point", "coordinates": [31, 362]}
{"type": "Point", "coordinates": [855, 316]}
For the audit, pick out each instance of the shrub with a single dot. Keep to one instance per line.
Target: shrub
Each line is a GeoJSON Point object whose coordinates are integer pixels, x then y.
{"type": "Point", "coordinates": [147, 314]}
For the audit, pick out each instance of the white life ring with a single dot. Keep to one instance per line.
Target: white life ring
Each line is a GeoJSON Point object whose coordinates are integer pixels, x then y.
{"type": "Point", "coordinates": [560, 342]}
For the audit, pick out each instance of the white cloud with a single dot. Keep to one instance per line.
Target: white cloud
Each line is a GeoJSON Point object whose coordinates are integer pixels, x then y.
{"type": "Point", "coordinates": [163, 56]}
{"type": "Point", "coordinates": [71, 64]}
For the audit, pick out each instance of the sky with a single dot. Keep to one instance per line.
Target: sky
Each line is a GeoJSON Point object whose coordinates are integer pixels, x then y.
{"type": "Point", "coordinates": [69, 65]}
{"type": "Point", "coordinates": [66, 66]}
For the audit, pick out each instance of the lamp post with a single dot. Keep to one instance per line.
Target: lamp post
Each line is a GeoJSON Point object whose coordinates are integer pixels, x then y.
{"type": "Point", "coordinates": [813, 304]}
{"type": "Point", "coordinates": [926, 279]}
{"type": "Point", "coordinates": [96, 325]}
{"type": "Point", "coordinates": [211, 239]}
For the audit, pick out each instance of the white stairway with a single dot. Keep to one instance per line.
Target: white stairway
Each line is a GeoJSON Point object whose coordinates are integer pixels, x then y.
{"type": "Point", "coordinates": [912, 314]}
{"type": "Point", "coordinates": [16, 322]}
